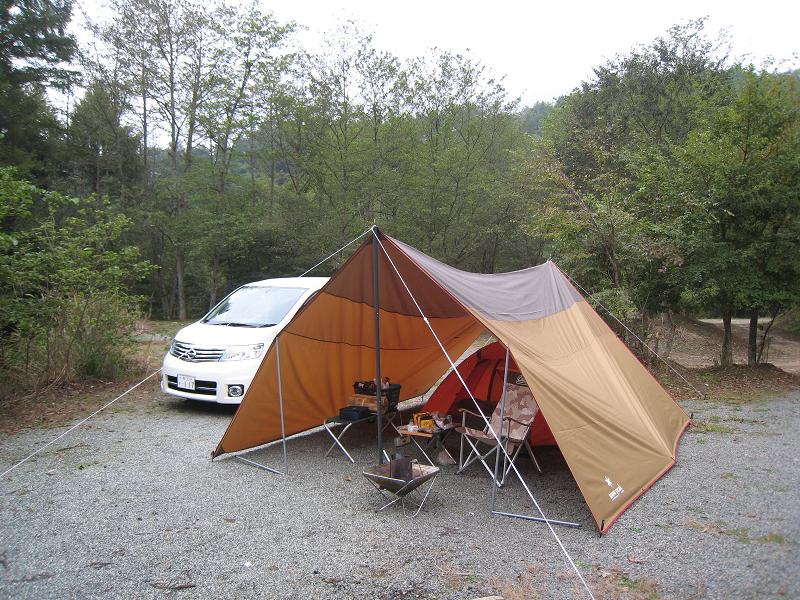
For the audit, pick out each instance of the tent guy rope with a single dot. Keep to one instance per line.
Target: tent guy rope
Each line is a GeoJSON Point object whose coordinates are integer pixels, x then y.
{"type": "Point", "coordinates": [330, 256]}
{"type": "Point", "coordinates": [500, 445]}
{"type": "Point", "coordinates": [629, 330]}
{"type": "Point", "coordinates": [74, 427]}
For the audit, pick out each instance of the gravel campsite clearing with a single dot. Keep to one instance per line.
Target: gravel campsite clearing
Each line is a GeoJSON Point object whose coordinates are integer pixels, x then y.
{"type": "Point", "coordinates": [129, 505]}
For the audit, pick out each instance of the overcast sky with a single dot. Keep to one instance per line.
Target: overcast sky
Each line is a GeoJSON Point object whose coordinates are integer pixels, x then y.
{"type": "Point", "coordinates": [543, 48]}
{"type": "Point", "coordinates": [546, 48]}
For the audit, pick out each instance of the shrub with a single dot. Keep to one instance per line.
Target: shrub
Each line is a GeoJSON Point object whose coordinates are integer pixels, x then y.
{"type": "Point", "coordinates": [65, 308]}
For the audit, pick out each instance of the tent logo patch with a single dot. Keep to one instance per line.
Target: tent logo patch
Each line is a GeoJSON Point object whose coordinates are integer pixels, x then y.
{"type": "Point", "coordinates": [614, 493]}
{"type": "Point", "coordinates": [521, 381]}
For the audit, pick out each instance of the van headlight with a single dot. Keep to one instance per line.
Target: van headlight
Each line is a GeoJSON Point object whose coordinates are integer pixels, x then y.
{"type": "Point", "coordinates": [242, 352]}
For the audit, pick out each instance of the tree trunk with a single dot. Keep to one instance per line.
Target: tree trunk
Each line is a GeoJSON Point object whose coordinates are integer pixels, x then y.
{"type": "Point", "coordinates": [726, 357]}
{"type": "Point", "coordinates": [752, 341]}
{"type": "Point", "coordinates": [764, 345]}
{"type": "Point", "coordinates": [144, 126]}
{"type": "Point", "coordinates": [670, 339]}
{"type": "Point", "coordinates": [180, 288]}
{"type": "Point", "coordinates": [215, 282]}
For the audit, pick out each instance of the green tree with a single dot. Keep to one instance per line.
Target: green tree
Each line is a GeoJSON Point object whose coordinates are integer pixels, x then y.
{"type": "Point", "coordinates": [614, 142]}
{"type": "Point", "coordinates": [101, 154]}
{"type": "Point", "coordinates": [33, 48]}
{"type": "Point", "coordinates": [65, 306]}
{"type": "Point", "coordinates": [743, 165]}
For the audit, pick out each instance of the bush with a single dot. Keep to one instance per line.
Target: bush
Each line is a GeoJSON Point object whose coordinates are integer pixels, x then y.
{"type": "Point", "coordinates": [65, 309]}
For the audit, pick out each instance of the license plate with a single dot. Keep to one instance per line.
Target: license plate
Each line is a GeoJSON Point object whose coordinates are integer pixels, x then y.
{"type": "Point", "coordinates": [186, 382]}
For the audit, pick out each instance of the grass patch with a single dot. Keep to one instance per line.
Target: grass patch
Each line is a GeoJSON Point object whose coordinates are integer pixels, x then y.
{"type": "Point", "coordinates": [742, 534]}
{"type": "Point", "coordinates": [728, 475]}
{"type": "Point", "coordinates": [772, 538]}
{"type": "Point", "coordinates": [696, 509]}
{"type": "Point", "coordinates": [717, 528]}
{"type": "Point", "coordinates": [615, 583]}
{"type": "Point", "coordinates": [710, 427]}
{"type": "Point", "coordinates": [744, 421]}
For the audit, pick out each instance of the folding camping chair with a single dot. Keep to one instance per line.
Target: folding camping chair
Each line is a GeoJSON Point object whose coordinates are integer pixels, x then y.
{"type": "Point", "coordinates": [392, 413]}
{"type": "Point", "coordinates": [518, 416]}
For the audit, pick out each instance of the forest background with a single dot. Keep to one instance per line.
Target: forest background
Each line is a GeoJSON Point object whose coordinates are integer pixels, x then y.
{"type": "Point", "coordinates": [204, 150]}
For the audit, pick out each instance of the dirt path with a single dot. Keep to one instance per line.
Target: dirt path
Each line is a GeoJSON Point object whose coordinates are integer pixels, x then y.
{"type": "Point", "coordinates": [698, 345]}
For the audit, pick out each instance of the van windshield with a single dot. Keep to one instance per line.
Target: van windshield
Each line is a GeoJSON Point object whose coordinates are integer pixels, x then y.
{"type": "Point", "coordinates": [254, 306]}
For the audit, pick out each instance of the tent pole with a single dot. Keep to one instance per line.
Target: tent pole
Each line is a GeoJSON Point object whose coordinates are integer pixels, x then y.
{"type": "Point", "coordinates": [502, 415]}
{"type": "Point", "coordinates": [280, 400]}
{"type": "Point", "coordinates": [537, 519]}
{"type": "Point", "coordinates": [283, 425]}
{"type": "Point", "coordinates": [377, 303]}
{"type": "Point", "coordinates": [259, 465]}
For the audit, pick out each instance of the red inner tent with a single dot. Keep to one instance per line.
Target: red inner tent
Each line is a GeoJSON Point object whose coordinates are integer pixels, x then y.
{"type": "Point", "coordinates": [483, 373]}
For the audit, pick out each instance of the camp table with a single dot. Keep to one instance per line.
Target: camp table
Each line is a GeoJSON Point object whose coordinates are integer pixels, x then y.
{"type": "Point", "coordinates": [434, 440]}
{"type": "Point", "coordinates": [332, 422]}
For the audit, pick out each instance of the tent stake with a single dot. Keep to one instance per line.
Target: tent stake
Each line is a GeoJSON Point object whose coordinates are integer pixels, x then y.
{"type": "Point", "coordinates": [537, 519]}
{"type": "Point", "coordinates": [378, 381]}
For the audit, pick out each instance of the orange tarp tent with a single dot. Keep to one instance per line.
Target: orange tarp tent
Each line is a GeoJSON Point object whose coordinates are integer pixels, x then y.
{"type": "Point", "coordinates": [616, 427]}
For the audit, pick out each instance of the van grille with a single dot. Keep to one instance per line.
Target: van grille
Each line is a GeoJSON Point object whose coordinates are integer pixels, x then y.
{"type": "Point", "coordinates": [192, 353]}
{"type": "Point", "coordinates": [207, 388]}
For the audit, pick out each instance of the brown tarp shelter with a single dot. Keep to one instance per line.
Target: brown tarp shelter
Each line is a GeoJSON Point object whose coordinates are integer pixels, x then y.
{"type": "Point", "coordinates": [616, 427]}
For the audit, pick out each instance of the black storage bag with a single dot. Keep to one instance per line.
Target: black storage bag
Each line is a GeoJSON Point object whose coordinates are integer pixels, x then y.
{"type": "Point", "coordinates": [354, 413]}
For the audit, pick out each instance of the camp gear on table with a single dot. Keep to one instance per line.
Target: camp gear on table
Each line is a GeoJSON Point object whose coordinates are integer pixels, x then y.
{"type": "Point", "coordinates": [434, 440]}
{"type": "Point", "coordinates": [360, 410]}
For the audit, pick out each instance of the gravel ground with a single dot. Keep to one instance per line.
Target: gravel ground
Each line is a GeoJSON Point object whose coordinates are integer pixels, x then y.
{"type": "Point", "coordinates": [130, 506]}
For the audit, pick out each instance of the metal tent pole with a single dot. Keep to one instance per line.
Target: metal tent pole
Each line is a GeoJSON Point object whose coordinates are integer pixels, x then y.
{"type": "Point", "coordinates": [283, 423]}
{"type": "Point", "coordinates": [502, 415]}
{"type": "Point", "coordinates": [280, 400]}
{"type": "Point", "coordinates": [377, 302]}
{"type": "Point", "coordinates": [537, 519]}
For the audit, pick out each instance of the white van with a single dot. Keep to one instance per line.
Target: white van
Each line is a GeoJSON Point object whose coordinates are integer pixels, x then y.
{"type": "Point", "coordinates": [215, 359]}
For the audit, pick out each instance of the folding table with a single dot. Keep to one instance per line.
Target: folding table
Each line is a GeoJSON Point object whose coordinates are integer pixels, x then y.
{"type": "Point", "coordinates": [434, 440]}
{"type": "Point", "coordinates": [332, 422]}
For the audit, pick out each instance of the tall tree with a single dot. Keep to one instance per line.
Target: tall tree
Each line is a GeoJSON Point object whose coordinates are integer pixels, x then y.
{"type": "Point", "coordinates": [34, 48]}
{"type": "Point", "coordinates": [743, 162]}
